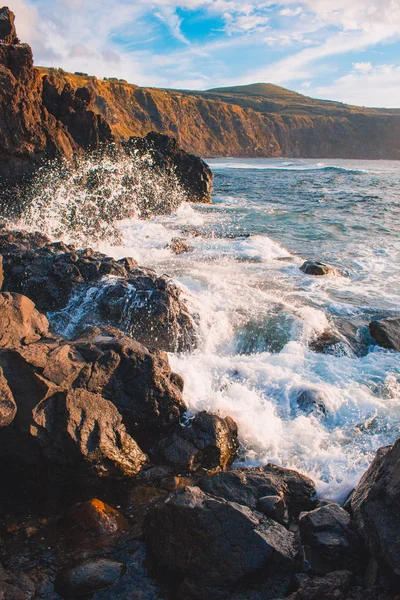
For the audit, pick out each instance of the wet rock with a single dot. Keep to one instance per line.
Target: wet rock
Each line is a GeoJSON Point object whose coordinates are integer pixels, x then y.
{"type": "Point", "coordinates": [273, 507]}
{"type": "Point", "coordinates": [318, 268]}
{"type": "Point", "coordinates": [96, 519]}
{"type": "Point", "coordinates": [20, 322]}
{"type": "Point", "coordinates": [213, 544]}
{"type": "Point", "coordinates": [247, 486]}
{"type": "Point", "coordinates": [8, 408]}
{"type": "Point", "coordinates": [78, 427]}
{"type": "Point", "coordinates": [15, 586]}
{"type": "Point", "coordinates": [329, 543]}
{"type": "Point", "coordinates": [386, 333]}
{"type": "Point", "coordinates": [88, 577]}
{"type": "Point", "coordinates": [179, 246]}
{"type": "Point", "coordinates": [332, 342]}
{"type": "Point", "coordinates": [206, 442]}
{"type": "Point", "coordinates": [375, 507]}
{"type": "Point", "coordinates": [312, 401]}
{"type": "Point", "coordinates": [192, 172]}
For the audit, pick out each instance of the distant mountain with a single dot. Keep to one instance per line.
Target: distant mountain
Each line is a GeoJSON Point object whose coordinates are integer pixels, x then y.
{"type": "Point", "coordinates": [257, 120]}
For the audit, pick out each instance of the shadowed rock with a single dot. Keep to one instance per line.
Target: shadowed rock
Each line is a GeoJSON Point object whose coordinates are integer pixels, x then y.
{"type": "Point", "coordinates": [87, 577]}
{"type": "Point", "coordinates": [386, 333]}
{"type": "Point", "coordinates": [318, 268]}
{"type": "Point", "coordinates": [206, 442]}
{"type": "Point", "coordinates": [8, 408]}
{"type": "Point", "coordinates": [217, 545]}
{"type": "Point", "coordinates": [376, 510]}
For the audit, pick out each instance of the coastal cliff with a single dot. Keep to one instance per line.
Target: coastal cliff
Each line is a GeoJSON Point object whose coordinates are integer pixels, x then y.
{"type": "Point", "coordinates": [260, 120]}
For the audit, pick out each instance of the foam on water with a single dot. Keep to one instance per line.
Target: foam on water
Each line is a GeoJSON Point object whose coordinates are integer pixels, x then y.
{"type": "Point", "coordinates": [258, 312]}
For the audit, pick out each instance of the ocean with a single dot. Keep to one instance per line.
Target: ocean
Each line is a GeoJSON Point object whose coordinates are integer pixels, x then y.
{"type": "Point", "coordinates": [260, 318]}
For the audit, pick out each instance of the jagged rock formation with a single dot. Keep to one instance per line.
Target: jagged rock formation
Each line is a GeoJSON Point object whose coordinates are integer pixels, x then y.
{"type": "Point", "coordinates": [46, 118]}
{"type": "Point", "coordinates": [250, 121]}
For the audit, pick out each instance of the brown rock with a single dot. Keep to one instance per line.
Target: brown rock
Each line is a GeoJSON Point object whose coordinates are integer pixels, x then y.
{"type": "Point", "coordinates": [96, 519]}
{"type": "Point", "coordinates": [19, 320]}
{"type": "Point", "coordinates": [80, 428]}
{"type": "Point", "coordinates": [179, 246]}
{"type": "Point", "coordinates": [8, 408]}
{"type": "Point", "coordinates": [8, 34]}
{"type": "Point", "coordinates": [1, 272]}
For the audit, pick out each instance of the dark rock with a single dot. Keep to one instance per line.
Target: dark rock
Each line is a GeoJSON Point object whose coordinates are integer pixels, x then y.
{"type": "Point", "coordinates": [312, 401]}
{"type": "Point", "coordinates": [375, 507]}
{"type": "Point", "coordinates": [206, 442]}
{"type": "Point", "coordinates": [56, 277]}
{"type": "Point", "coordinates": [1, 272]}
{"type": "Point", "coordinates": [15, 586]}
{"type": "Point", "coordinates": [8, 34]}
{"type": "Point", "coordinates": [386, 333]}
{"type": "Point", "coordinates": [88, 577]}
{"type": "Point", "coordinates": [273, 507]}
{"type": "Point", "coordinates": [247, 486]}
{"type": "Point", "coordinates": [332, 342]}
{"type": "Point", "coordinates": [329, 544]}
{"type": "Point", "coordinates": [8, 408]}
{"type": "Point", "coordinates": [192, 172]}
{"type": "Point", "coordinates": [80, 427]}
{"type": "Point", "coordinates": [335, 585]}
{"type": "Point", "coordinates": [214, 544]}
{"type": "Point", "coordinates": [179, 246]}
{"type": "Point", "coordinates": [318, 268]}
{"type": "Point", "coordinates": [96, 519]}
{"type": "Point", "coordinates": [20, 322]}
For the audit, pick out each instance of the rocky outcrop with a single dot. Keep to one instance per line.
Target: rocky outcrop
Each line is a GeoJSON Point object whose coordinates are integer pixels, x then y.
{"type": "Point", "coordinates": [386, 333]}
{"type": "Point", "coordinates": [58, 276]}
{"type": "Point", "coordinates": [375, 507]}
{"type": "Point", "coordinates": [193, 174]}
{"type": "Point", "coordinates": [20, 322]}
{"type": "Point", "coordinates": [214, 545]}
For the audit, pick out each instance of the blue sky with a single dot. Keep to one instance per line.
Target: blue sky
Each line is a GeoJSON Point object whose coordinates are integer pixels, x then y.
{"type": "Point", "coordinates": [346, 50]}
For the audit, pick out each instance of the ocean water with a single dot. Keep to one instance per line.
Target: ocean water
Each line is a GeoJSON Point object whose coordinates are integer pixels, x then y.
{"type": "Point", "coordinates": [258, 314]}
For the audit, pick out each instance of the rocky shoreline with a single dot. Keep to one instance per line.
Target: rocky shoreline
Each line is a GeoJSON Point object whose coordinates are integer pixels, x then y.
{"type": "Point", "coordinates": [111, 491]}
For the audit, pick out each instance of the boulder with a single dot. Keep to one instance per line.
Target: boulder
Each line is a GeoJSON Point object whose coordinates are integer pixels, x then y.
{"type": "Point", "coordinates": [83, 429]}
{"type": "Point", "coordinates": [386, 333]}
{"type": "Point", "coordinates": [96, 519]}
{"type": "Point", "coordinates": [87, 577]}
{"type": "Point", "coordinates": [206, 442]}
{"type": "Point", "coordinates": [20, 322]}
{"type": "Point", "coordinates": [248, 486]}
{"type": "Point", "coordinates": [192, 172]}
{"type": "Point", "coordinates": [215, 546]}
{"type": "Point", "coordinates": [312, 401]}
{"type": "Point", "coordinates": [15, 586]}
{"type": "Point", "coordinates": [311, 267]}
{"type": "Point", "coordinates": [375, 507]}
{"type": "Point", "coordinates": [8, 408]}
{"type": "Point", "coordinates": [329, 543]}
{"type": "Point", "coordinates": [179, 246]}
{"type": "Point", "coordinates": [273, 507]}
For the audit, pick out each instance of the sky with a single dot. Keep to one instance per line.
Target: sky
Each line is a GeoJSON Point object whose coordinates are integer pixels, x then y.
{"type": "Point", "coordinates": [346, 50]}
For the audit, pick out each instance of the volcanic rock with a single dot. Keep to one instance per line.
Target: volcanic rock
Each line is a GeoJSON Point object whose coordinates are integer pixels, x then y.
{"type": "Point", "coordinates": [95, 518]}
{"type": "Point", "coordinates": [329, 544]}
{"type": "Point", "coordinates": [88, 577]}
{"type": "Point", "coordinates": [386, 333]}
{"type": "Point", "coordinates": [375, 507]}
{"type": "Point", "coordinates": [248, 486]}
{"type": "Point", "coordinates": [15, 586]}
{"type": "Point", "coordinates": [8, 408]}
{"type": "Point", "coordinates": [20, 322]}
{"type": "Point", "coordinates": [206, 442]}
{"type": "Point", "coordinates": [192, 172]}
{"type": "Point", "coordinates": [318, 268]}
{"type": "Point", "coordinates": [215, 545]}
{"type": "Point", "coordinates": [80, 427]}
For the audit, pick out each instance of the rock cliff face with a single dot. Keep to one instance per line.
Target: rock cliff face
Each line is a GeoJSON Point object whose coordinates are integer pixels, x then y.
{"type": "Point", "coordinates": [252, 121]}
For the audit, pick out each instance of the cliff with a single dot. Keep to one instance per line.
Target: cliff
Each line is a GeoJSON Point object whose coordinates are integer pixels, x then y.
{"type": "Point", "coordinates": [260, 120]}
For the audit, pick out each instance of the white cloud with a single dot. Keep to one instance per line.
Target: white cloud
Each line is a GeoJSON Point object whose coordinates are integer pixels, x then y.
{"type": "Point", "coordinates": [363, 67]}
{"type": "Point", "coordinates": [291, 12]}
{"type": "Point", "coordinates": [379, 86]}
